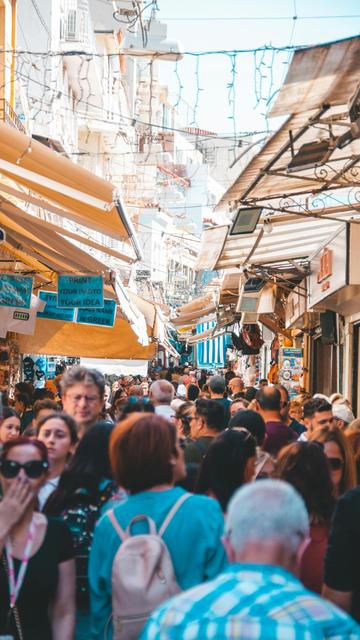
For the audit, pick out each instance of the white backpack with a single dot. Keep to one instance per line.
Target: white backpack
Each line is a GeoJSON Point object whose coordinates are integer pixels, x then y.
{"type": "Point", "coordinates": [142, 574]}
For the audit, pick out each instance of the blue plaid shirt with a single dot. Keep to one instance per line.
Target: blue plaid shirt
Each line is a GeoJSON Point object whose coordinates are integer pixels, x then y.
{"type": "Point", "coordinates": [250, 602]}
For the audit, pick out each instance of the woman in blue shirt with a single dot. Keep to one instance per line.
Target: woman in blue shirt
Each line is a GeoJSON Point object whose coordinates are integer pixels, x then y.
{"type": "Point", "coordinates": [147, 461]}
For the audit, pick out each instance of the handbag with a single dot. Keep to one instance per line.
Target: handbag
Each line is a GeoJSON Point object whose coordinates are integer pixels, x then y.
{"type": "Point", "coordinates": [14, 610]}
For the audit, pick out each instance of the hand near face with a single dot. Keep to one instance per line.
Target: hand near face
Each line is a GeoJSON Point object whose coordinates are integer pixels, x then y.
{"type": "Point", "coordinates": [15, 502]}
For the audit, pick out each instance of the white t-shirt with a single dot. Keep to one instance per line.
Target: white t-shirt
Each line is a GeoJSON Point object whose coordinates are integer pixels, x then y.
{"type": "Point", "coordinates": [46, 491]}
{"type": "Point", "coordinates": [165, 411]}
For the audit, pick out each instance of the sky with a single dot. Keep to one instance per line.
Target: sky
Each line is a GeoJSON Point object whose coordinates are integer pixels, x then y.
{"type": "Point", "coordinates": [230, 94]}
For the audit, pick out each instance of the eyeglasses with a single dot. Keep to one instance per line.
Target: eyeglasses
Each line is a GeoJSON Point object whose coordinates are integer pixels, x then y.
{"type": "Point", "coordinates": [335, 463]}
{"type": "Point", "coordinates": [32, 468]}
{"type": "Point", "coordinates": [88, 399]}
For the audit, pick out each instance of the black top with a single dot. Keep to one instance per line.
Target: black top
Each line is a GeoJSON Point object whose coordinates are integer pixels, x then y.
{"type": "Point", "coordinates": [39, 585]}
{"type": "Point", "coordinates": [342, 560]}
{"type": "Point", "coordinates": [225, 403]}
{"type": "Point", "coordinates": [297, 426]}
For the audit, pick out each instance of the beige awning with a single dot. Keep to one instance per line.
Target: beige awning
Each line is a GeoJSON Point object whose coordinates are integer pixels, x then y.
{"type": "Point", "coordinates": [291, 238]}
{"type": "Point", "coordinates": [326, 73]}
{"type": "Point", "coordinates": [307, 155]}
{"type": "Point", "coordinates": [85, 198]}
{"type": "Point", "coordinates": [74, 340]}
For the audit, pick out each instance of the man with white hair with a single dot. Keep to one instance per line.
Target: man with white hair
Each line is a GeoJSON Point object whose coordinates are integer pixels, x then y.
{"type": "Point", "coordinates": [161, 394]}
{"type": "Point", "coordinates": [258, 597]}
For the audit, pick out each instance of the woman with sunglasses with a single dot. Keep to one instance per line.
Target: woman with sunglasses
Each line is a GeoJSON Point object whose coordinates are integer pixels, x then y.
{"type": "Point", "coordinates": [304, 465]}
{"type": "Point", "coordinates": [340, 458]}
{"type": "Point", "coordinates": [37, 569]}
{"type": "Point", "coordinates": [182, 418]}
{"type": "Point", "coordinates": [228, 464]}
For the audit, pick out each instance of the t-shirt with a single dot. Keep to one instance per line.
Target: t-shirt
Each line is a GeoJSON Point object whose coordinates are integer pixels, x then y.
{"type": "Point", "coordinates": [342, 560]}
{"type": "Point", "coordinates": [278, 436]}
{"type": "Point", "coordinates": [297, 426]}
{"type": "Point", "coordinates": [193, 539]}
{"type": "Point", "coordinates": [39, 586]}
{"type": "Point", "coordinates": [225, 403]}
{"type": "Point", "coordinates": [312, 559]}
{"type": "Point", "coordinates": [195, 450]}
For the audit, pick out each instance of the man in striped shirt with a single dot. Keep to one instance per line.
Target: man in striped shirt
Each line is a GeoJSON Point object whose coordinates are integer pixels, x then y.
{"type": "Point", "coordinates": [258, 597]}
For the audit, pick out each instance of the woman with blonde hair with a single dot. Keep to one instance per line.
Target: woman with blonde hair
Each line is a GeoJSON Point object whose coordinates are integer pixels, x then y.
{"type": "Point", "coordinates": [340, 458]}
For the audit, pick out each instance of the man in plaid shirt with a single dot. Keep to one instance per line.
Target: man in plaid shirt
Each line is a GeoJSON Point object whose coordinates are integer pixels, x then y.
{"type": "Point", "coordinates": [258, 597]}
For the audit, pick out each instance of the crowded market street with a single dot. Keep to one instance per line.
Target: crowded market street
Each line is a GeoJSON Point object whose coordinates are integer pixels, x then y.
{"type": "Point", "coordinates": [179, 320]}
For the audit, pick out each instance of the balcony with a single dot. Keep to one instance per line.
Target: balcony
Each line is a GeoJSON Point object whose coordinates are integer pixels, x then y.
{"type": "Point", "coordinates": [8, 115]}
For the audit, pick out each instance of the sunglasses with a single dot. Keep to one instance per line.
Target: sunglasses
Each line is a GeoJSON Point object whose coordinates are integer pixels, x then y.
{"type": "Point", "coordinates": [335, 464]}
{"type": "Point", "coordinates": [32, 468]}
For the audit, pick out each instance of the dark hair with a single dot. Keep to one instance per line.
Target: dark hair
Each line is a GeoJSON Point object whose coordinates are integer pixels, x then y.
{"type": "Point", "coordinates": [212, 412]}
{"type": "Point", "coordinates": [68, 420]}
{"type": "Point", "coordinates": [19, 442]}
{"type": "Point", "coordinates": [42, 394]}
{"type": "Point", "coordinates": [89, 465]}
{"type": "Point", "coordinates": [264, 380]}
{"type": "Point", "coordinates": [9, 412]}
{"type": "Point", "coordinates": [336, 435]}
{"type": "Point", "coordinates": [217, 384]}
{"type": "Point", "coordinates": [222, 470]}
{"type": "Point", "coordinates": [141, 448]}
{"type": "Point", "coordinates": [193, 392]}
{"type": "Point", "coordinates": [119, 394]}
{"type": "Point", "coordinates": [24, 387]}
{"type": "Point", "coordinates": [305, 467]}
{"type": "Point", "coordinates": [24, 398]}
{"type": "Point", "coordinates": [252, 421]}
{"type": "Point", "coordinates": [269, 398]}
{"type": "Point", "coordinates": [250, 393]}
{"type": "Point", "coordinates": [317, 405]}
{"type": "Point", "coordinates": [135, 407]}
{"type": "Point", "coordinates": [46, 403]}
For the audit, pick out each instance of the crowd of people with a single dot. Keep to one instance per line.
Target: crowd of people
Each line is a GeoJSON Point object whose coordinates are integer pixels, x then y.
{"type": "Point", "coordinates": [185, 505]}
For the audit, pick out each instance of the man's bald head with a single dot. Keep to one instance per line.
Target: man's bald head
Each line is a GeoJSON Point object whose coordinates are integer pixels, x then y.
{"type": "Point", "coordinates": [269, 399]}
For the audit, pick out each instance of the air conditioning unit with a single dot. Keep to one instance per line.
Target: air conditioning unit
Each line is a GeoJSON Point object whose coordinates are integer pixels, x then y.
{"type": "Point", "coordinates": [255, 297]}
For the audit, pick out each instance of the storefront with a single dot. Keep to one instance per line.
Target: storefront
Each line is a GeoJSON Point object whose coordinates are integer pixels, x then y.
{"type": "Point", "coordinates": [334, 291]}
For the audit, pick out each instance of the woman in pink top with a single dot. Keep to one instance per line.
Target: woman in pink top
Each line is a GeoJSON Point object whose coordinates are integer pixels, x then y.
{"type": "Point", "coordinates": [305, 466]}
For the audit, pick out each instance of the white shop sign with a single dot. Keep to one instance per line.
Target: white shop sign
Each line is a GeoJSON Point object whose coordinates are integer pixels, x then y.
{"type": "Point", "coordinates": [335, 271]}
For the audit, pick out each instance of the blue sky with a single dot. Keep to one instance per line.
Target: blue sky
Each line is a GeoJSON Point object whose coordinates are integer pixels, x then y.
{"type": "Point", "coordinates": [208, 25]}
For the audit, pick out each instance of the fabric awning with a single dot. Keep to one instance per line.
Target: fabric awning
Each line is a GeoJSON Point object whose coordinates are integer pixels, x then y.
{"type": "Point", "coordinates": [85, 197]}
{"type": "Point", "coordinates": [326, 73]}
{"type": "Point", "coordinates": [74, 340]}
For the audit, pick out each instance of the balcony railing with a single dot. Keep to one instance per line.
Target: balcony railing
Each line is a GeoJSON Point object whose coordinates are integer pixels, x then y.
{"type": "Point", "coordinates": [8, 115]}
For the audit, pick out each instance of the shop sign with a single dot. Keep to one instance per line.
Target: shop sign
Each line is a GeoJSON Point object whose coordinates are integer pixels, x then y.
{"type": "Point", "coordinates": [84, 292]}
{"type": "Point", "coordinates": [104, 317]}
{"type": "Point", "coordinates": [52, 311]}
{"type": "Point", "coordinates": [291, 369]}
{"type": "Point", "coordinates": [328, 269]}
{"type": "Point", "coordinates": [15, 291]}
{"type": "Point", "coordinates": [295, 307]}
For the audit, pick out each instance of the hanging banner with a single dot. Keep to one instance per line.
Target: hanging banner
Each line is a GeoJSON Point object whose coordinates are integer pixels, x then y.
{"type": "Point", "coordinates": [52, 311]}
{"type": "Point", "coordinates": [84, 292]}
{"type": "Point", "coordinates": [104, 317]}
{"type": "Point", "coordinates": [20, 320]}
{"type": "Point", "coordinates": [15, 291]}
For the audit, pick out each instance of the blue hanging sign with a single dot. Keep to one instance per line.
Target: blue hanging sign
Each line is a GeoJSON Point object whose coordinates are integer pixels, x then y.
{"type": "Point", "coordinates": [84, 292]}
{"type": "Point", "coordinates": [15, 291]}
{"type": "Point", "coordinates": [104, 317]}
{"type": "Point", "coordinates": [52, 311]}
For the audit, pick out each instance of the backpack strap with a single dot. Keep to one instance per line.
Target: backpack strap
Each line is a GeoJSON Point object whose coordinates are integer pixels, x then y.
{"type": "Point", "coordinates": [174, 509]}
{"type": "Point", "coordinates": [119, 530]}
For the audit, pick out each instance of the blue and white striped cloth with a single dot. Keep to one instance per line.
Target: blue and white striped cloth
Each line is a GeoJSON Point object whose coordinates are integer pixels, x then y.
{"type": "Point", "coordinates": [250, 602]}
{"type": "Point", "coordinates": [211, 353]}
